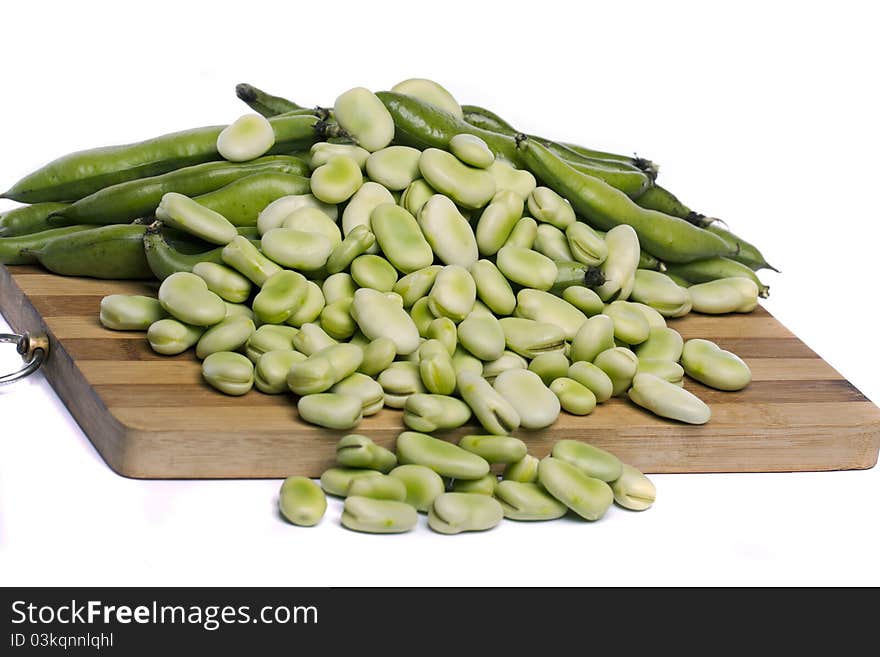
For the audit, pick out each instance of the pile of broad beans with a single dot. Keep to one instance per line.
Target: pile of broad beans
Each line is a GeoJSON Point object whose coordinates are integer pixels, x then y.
{"type": "Point", "coordinates": [401, 250]}
{"type": "Point", "coordinates": [455, 486]}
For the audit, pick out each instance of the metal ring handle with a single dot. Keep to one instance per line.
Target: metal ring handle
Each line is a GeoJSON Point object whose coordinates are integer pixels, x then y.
{"type": "Point", "coordinates": [33, 348]}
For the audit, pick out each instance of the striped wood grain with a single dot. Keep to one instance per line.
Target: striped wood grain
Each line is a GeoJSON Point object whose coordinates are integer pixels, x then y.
{"type": "Point", "coordinates": [152, 416]}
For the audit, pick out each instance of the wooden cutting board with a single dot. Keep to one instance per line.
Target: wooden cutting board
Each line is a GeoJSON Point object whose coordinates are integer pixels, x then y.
{"type": "Point", "coordinates": [152, 416]}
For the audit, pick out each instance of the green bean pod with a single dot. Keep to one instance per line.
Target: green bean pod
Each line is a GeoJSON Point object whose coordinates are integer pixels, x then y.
{"type": "Point", "coordinates": [22, 250]}
{"type": "Point", "coordinates": [485, 119]}
{"type": "Point", "coordinates": [242, 200]}
{"type": "Point", "coordinates": [577, 158]}
{"type": "Point", "coordinates": [294, 132]}
{"type": "Point", "coordinates": [126, 201]}
{"type": "Point", "coordinates": [631, 182]}
{"type": "Point", "coordinates": [164, 260]}
{"type": "Point", "coordinates": [662, 200]}
{"type": "Point", "coordinates": [480, 117]}
{"type": "Point", "coordinates": [702, 271]}
{"type": "Point", "coordinates": [669, 238]}
{"type": "Point", "coordinates": [422, 125]}
{"type": "Point", "coordinates": [80, 174]}
{"type": "Point", "coordinates": [28, 219]}
{"type": "Point", "coordinates": [746, 253]}
{"type": "Point", "coordinates": [639, 162]}
{"type": "Point", "coordinates": [264, 103]}
{"type": "Point", "coordinates": [678, 279]}
{"type": "Point", "coordinates": [113, 252]}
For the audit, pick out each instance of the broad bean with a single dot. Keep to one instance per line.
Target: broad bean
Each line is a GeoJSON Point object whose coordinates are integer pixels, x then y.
{"type": "Point", "coordinates": [668, 400]}
{"type": "Point", "coordinates": [708, 363]}
{"type": "Point", "coordinates": [452, 513]}
{"type": "Point", "coordinates": [587, 496]}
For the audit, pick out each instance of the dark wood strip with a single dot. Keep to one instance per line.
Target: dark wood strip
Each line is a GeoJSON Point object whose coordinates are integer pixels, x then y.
{"type": "Point", "coordinates": [781, 392]}
{"type": "Point", "coordinates": [163, 395]}
{"type": "Point", "coordinates": [766, 347]}
{"type": "Point", "coordinates": [198, 393]}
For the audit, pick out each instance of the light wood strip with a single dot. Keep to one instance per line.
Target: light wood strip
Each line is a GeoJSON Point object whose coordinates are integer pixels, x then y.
{"type": "Point", "coordinates": [182, 395]}
{"type": "Point", "coordinates": [36, 285]}
{"type": "Point", "coordinates": [181, 370]}
{"type": "Point", "coordinates": [236, 454]}
{"type": "Point", "coordinates": [729, 326]}
{"type": "Point", "coordinates": [72, 323]}
{"type": "Point", "coordinates": [766, 347]}
{"type": "Point", "coordinates": [134, 348]}
{"type": "Point", "coordinates": [666, 447]}
{"type": "Point", "coordinates": [123, 348]}
{"type": "Point", "coordinates": [66, 328]}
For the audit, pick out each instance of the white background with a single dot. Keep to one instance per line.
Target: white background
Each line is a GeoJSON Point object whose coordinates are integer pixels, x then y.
{"type": "Point", "coordinates": [762, 113]}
